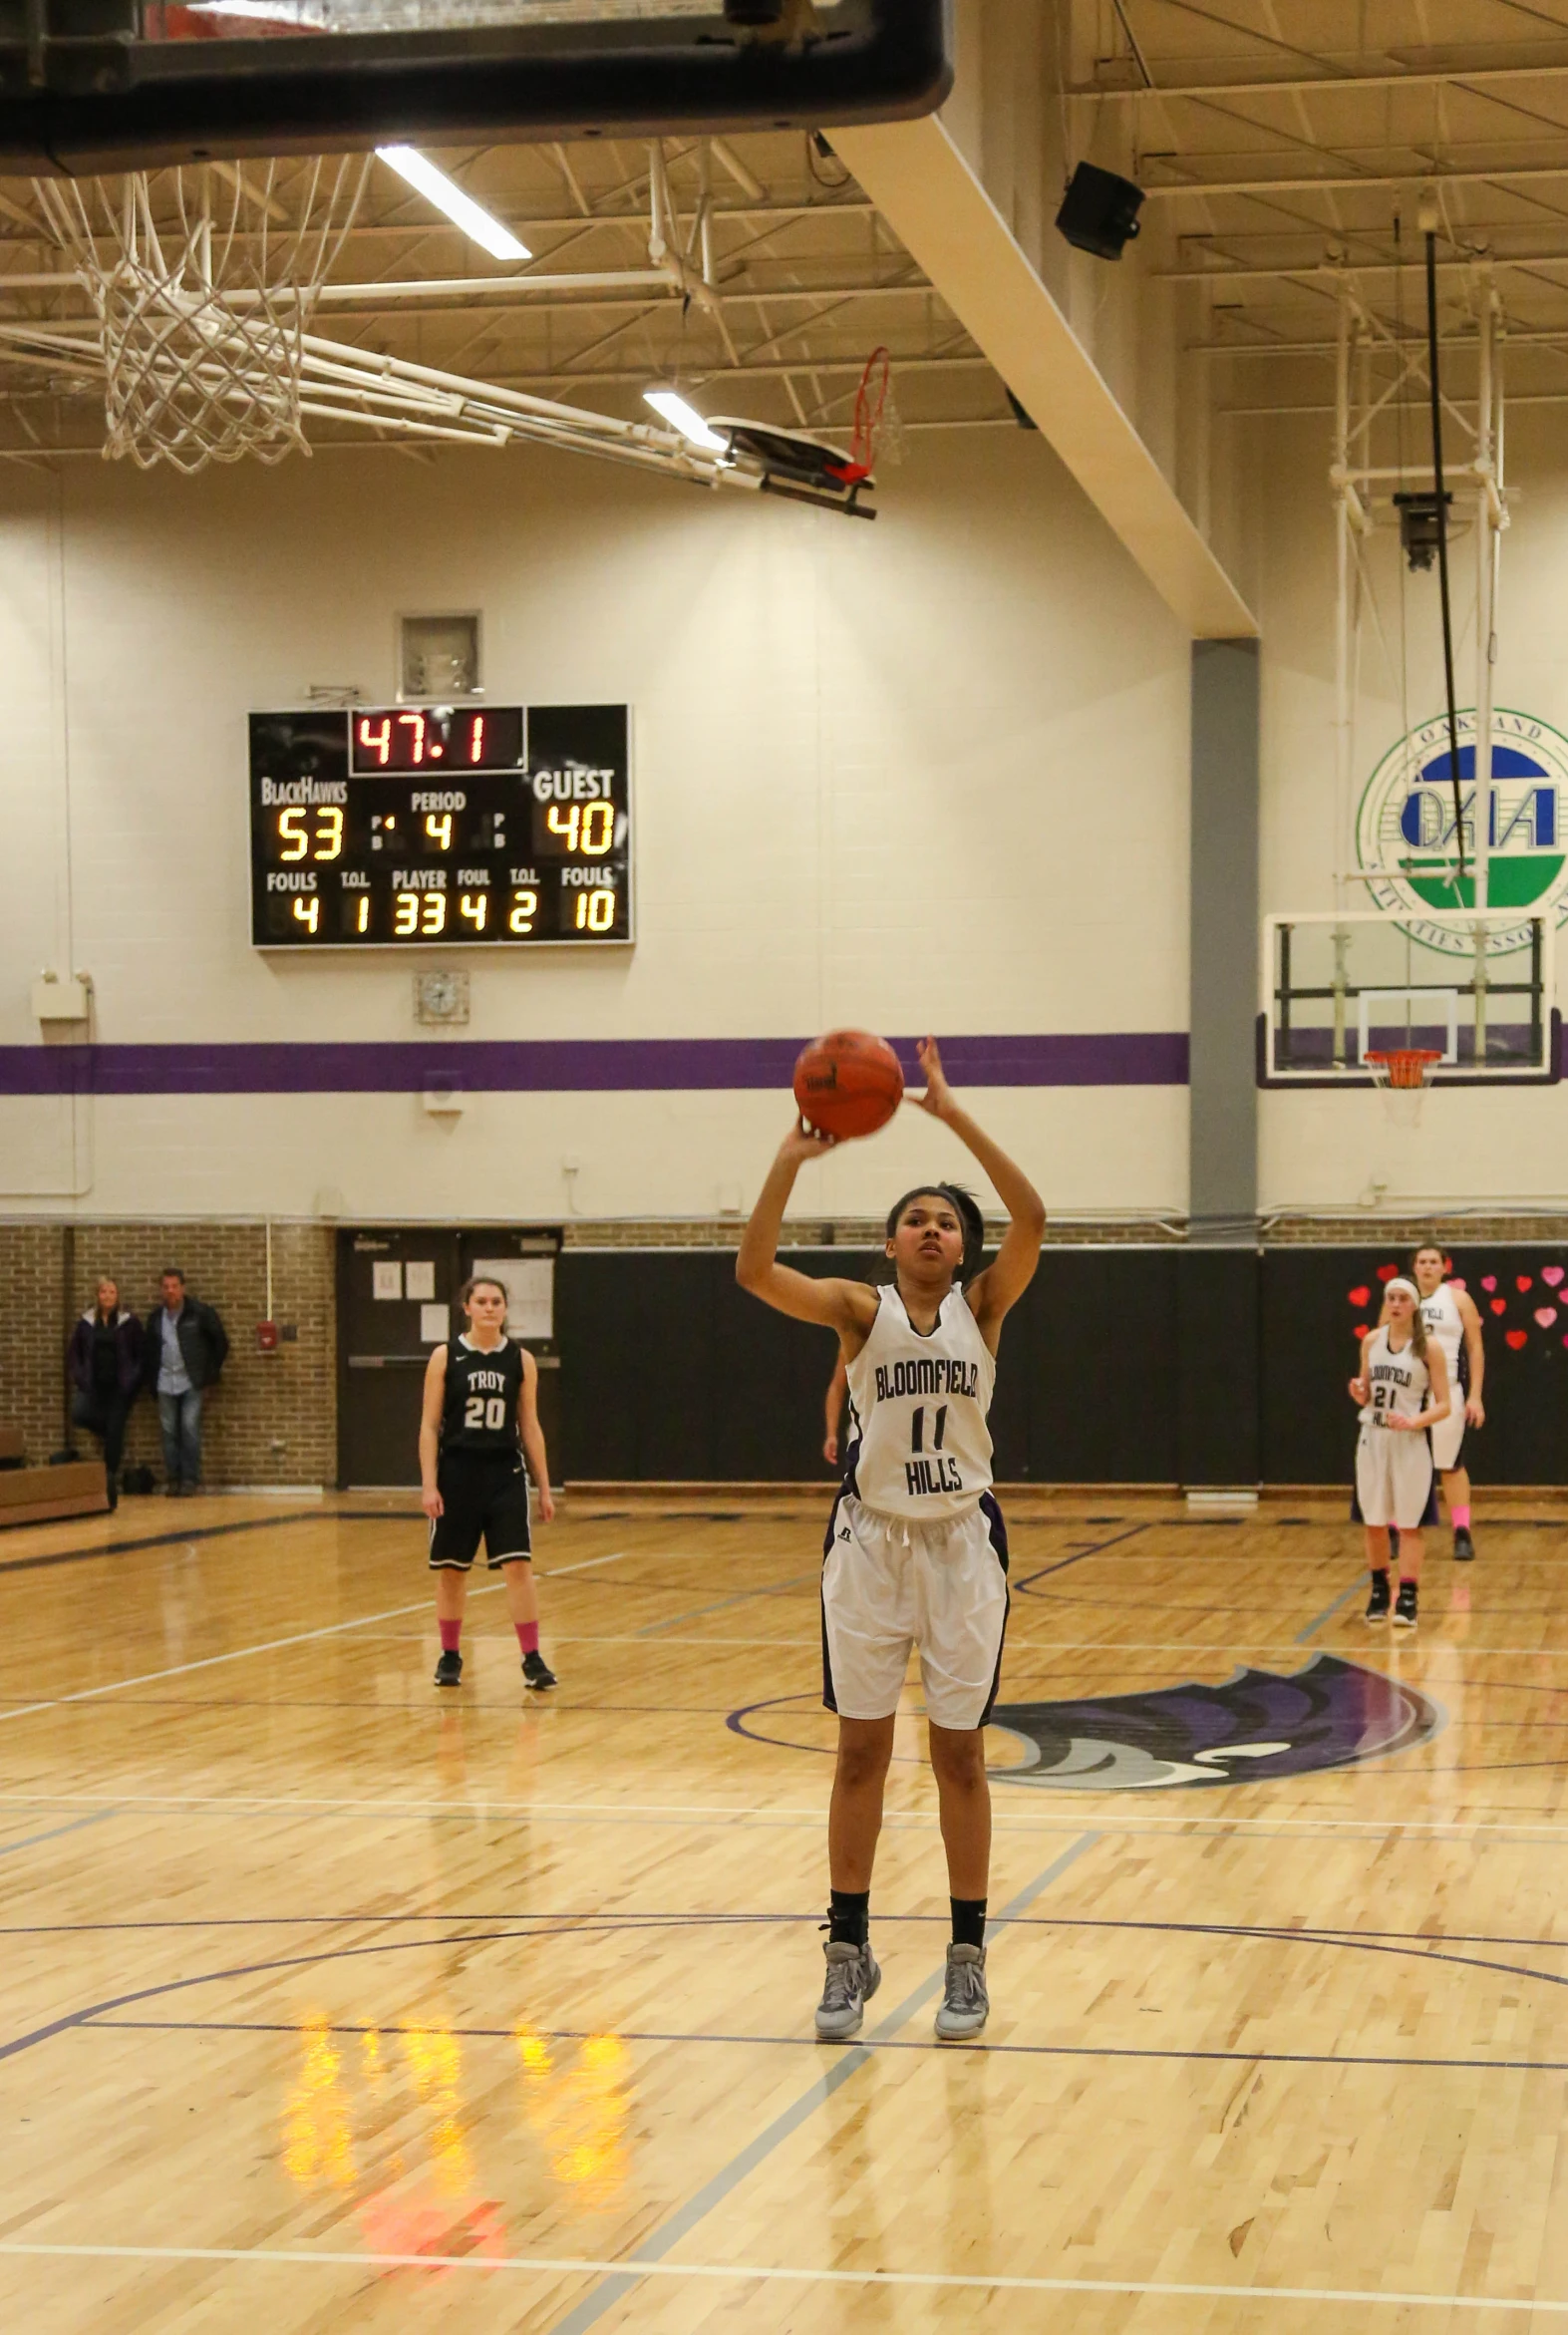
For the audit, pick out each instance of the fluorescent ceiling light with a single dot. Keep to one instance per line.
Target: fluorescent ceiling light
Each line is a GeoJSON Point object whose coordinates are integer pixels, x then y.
{"type": "Point", "coordinates": [461, 209]}
{"type": "Point", "coordinates": [684, 418]}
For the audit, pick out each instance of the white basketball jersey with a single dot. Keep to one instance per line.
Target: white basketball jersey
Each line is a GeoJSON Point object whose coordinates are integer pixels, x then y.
{"type": "Point", "coordinates": [1440, 1313]}
{"type": "Point", "coordinates": [920, 1405]}
{"type": "Point", "coordinates": [1396, 1380]}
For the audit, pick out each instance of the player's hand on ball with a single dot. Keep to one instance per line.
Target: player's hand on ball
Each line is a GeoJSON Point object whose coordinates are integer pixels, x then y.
{"type": "Point", "coordinates": [805, 1143]}
{"type": "Point", "coordinates": [1476, 1412]}
{"type": "Point", "coordinates": [432, 1504]}
{"type": "Point", "coordinates": [938, 1093]}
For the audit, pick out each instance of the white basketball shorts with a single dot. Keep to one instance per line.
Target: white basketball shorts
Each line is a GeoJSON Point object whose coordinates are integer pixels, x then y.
{"type": "Point", "coordinates": [1394, 1479]}
{"type": "Point", "coordinates": [1448, 1434]}
{"type": "Point", "coordinates": [889, 1587]}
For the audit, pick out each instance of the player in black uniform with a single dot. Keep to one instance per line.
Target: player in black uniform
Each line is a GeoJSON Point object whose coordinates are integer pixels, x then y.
{"type": "Point", "coordinates": [481, 1404]}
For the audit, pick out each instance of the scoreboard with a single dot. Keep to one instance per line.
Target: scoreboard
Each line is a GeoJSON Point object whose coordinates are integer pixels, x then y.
{"type": "Point", "coordinates": [409, 827]}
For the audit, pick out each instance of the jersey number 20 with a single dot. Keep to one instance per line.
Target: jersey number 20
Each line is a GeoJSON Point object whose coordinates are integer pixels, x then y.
{"type": "Point", "coordinates": [487, 1411]}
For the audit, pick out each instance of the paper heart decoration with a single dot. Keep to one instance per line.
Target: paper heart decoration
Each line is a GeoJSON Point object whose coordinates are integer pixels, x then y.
{"type": "Point", "coordinates": [1523, 1281]}
{"type": "Point", "coordinates": [1387, 1272]}
{"type": "Point", "coordinates": [1546, 1315]}
{"type": "Point", "coordinates": [1551, 1275]}
{"type": "Point", "coordinates": [1360, 1296]}
{"type": "Point", "coordinates": [1516, 1338]}
{"type": "Point", "coordinates": [1456, 1283]}
{"type": "Point", "coordinates": [1361, 1331]}
{"type": "Point", "coordinates": [1488, 1281]}
{"type": "Point", "coordinates": [1499, 1305]}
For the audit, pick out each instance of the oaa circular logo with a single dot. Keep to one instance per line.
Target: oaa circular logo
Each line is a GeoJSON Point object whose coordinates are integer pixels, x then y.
{"type": "Point", "coordinates": [1404, 827]}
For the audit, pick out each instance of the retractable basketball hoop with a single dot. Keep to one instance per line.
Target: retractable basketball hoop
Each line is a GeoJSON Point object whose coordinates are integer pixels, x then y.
{"type": "Point", "coordinates": [204, 320]}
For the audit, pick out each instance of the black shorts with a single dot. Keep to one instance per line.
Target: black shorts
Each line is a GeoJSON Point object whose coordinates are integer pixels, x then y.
{"type": "Point", "coordinates": [480, 1496]}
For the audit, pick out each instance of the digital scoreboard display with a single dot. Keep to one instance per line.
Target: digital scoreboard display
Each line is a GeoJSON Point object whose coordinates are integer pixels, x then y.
{"type": "Point", "coordinates": [409, 827]}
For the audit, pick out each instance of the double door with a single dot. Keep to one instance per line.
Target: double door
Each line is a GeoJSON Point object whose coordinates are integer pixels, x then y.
{"type": "Point", "coordinates": [397, 1299]}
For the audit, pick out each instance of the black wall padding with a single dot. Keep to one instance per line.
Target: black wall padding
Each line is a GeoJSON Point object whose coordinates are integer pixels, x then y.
{"type": "Point", "coordinates": [670, 1372]}
{"type": "Point", "coordinates": [1217, 1388]}
{"type": "Point", "coordinates": [1119, 1366]}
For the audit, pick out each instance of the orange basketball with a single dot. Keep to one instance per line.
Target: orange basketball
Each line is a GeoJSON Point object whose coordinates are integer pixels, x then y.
{"type": "Point", "coordinates": [848, 1083]}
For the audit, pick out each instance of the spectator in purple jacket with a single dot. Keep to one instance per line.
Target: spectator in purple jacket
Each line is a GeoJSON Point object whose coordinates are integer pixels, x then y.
{"type": "Point", "coordinates": [106, 1362]}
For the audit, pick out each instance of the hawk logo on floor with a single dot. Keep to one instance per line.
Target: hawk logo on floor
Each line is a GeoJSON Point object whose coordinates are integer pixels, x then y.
{"type": "Point", "coordinates": [1253, 1728]}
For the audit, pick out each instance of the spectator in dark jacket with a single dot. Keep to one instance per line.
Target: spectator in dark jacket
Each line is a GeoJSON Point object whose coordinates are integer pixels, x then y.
{"type": "Point", "coordinates": [106, 1365]}
{"type": "Point", "coordinates": [186, 1349]}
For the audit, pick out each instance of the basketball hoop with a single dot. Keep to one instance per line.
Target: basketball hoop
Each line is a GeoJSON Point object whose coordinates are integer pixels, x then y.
{"type": "Point", "coordinates": [204, 306]}
{"type": "Point", "coordinates": [1404, 1067]}
{"type": "Point", "coordinates": [1402, 1073]}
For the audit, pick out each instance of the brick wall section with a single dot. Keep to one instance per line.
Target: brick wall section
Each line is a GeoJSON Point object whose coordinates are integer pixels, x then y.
{"type": "Point", "coordinates": [273, 1419]}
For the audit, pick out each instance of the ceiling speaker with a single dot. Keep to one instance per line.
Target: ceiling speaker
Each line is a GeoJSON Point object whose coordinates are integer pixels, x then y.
{"type": "Point", "coordinates": [1099, 211]}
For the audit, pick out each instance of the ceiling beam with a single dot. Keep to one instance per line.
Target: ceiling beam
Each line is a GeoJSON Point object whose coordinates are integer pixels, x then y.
{"type": "Point", "coordinates": [920, 182]}
{"type": "Point", "coordinates": [1434, 175]}
{"type": "Point", "coordinates": [1294, 85]}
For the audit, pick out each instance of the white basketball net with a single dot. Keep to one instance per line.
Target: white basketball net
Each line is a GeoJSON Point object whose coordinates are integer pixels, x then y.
{"type": "Point", "coordinates": [203, 304]}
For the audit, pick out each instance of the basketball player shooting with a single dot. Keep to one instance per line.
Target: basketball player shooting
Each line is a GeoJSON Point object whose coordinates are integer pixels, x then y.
{"type": "Point", "coordinates": [479, 1419]}
{"type": "Point", "coordinates": [916, 1552]}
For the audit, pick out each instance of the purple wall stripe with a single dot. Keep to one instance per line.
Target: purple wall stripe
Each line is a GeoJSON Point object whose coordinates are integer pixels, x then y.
{"type": "Point", "coordinates": [1129, 1058]}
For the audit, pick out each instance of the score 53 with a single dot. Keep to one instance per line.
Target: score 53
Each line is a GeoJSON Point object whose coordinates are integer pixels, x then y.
{"type": "Point", "coordinates": [296, 842]}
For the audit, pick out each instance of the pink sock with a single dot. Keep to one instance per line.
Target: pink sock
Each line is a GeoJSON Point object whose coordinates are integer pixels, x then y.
{"type": "Point", "coordinates": [1460, 1518]}
{"type": "Point", "coordinates": [450, 1632]}
{"type": "Point", "coordinates": [527, 1635]}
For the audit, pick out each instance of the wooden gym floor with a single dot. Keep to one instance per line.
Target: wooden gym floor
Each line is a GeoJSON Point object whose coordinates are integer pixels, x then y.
{"type": "Point", "coordinates": [332, 2002]}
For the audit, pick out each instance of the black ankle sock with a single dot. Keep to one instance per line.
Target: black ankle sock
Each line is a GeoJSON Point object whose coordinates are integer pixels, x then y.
{"type": "Point", "coordinates": [969, 1921]}
{"type": "Point", "coordinates": [849, 1916]}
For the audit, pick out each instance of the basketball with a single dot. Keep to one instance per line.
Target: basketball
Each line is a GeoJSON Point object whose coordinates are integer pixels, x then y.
{"type": "Point", "coordinates": [848, 1083]}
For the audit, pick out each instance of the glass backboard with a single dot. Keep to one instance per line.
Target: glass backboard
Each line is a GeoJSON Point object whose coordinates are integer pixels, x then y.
{"type": "Point", "coordinates": [1476, 989]}
{"type": "Point", "coordinates": [108, 85]}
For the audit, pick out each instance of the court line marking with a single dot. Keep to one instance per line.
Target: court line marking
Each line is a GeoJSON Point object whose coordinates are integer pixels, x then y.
{"type": "Point", "coordinates": [101, 1817]}
{"type": "Point", "coordinates": [1261, 1826]}
{"type": "Point", "coordinates": [808, 2043]}
{"type": "Point", "coordinates": [263, 1524]}
{"type": "Point", "coordinates": [1329, 1612]}
{"type": "Point", "coordinates": [654, 1629]}
{"type": "Point", "coordinates": [679, 2224]}
{"type": "Point", "coordinates": [578, 2265]}
{"type": "Point", "coordinates": [332, 1629]}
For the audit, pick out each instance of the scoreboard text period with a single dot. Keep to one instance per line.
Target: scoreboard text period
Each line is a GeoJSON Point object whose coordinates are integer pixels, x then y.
{"type": "Point", "coordinates": [409, 825]}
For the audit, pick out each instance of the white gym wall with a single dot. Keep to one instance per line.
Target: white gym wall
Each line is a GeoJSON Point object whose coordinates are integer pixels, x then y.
{"type": "Point", "coordinates": [931, 772]}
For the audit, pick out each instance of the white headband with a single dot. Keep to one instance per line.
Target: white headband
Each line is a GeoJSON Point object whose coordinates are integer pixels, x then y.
{"type": "Point", "coordinates": [1399, 1282]}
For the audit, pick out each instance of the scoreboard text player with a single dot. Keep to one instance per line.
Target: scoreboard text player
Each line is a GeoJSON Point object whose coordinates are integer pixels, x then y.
{"type": "Point", "coordinates": [403, 827]}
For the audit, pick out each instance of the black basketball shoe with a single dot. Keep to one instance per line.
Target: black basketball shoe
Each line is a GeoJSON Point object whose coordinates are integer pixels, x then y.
{"type": "Point", "coordinates": [1378, 1604]}
{"type": "Point", "coordinates": [537, 1672]}
{"type": "Point", "coordinates": [1463, 1546]}
{"type": "Point", "coordinates": [1405, 1607]}
{"type": "Point", "coordinates": [448, 1670]}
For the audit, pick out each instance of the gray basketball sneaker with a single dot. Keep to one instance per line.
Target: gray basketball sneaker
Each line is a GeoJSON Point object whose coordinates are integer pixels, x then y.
{"type": "Point", "coordinates": [966, 2006]}
{"type": "Point", "coordinates": [853, 1977]}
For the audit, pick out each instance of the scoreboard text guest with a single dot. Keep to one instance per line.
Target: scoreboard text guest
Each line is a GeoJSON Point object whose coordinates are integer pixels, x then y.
{"type": "Point", "coordinates": [396, 826]}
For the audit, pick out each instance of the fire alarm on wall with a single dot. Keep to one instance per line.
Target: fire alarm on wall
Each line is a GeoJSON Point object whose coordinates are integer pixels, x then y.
{"type": "Point", "coordinates": [266, 1337]}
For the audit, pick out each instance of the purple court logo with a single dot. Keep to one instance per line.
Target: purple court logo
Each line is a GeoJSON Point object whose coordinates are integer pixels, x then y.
{"type": "Point", "coordinates": [1254, 1728]}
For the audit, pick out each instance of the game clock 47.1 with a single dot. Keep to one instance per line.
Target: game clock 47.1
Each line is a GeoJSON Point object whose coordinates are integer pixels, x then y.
{"type": "Point", "coordinates": [406, 827]}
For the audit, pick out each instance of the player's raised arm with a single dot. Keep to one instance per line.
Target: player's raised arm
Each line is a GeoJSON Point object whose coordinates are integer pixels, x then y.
{"type": "Point", "coordinates": [849, 1307]}
{"type": "Point", "coordinates": [993, 1292]}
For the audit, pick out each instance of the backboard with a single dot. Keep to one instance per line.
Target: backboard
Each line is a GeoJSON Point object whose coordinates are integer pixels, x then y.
{"type": "Point", "coordinates": [1476, 988]}
{"type": "Point", "coordinates": [108, 85]}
